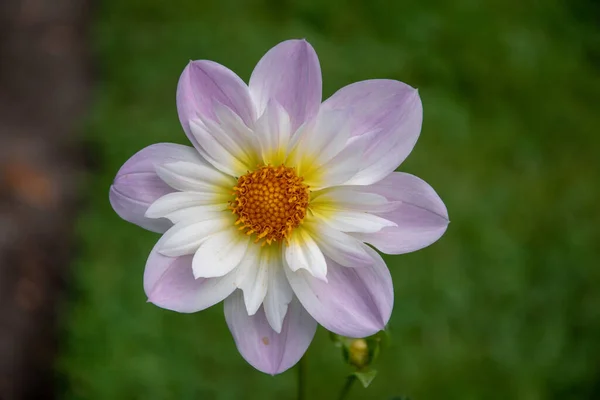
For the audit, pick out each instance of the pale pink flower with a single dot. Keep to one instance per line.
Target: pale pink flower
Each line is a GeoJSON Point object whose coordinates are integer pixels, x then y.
{"type": "Point", "coordinates": [271, 208]}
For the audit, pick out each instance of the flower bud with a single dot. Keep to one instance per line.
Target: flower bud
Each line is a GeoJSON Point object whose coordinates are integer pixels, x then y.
{"type": "Point", "coordinates": [358, 353]}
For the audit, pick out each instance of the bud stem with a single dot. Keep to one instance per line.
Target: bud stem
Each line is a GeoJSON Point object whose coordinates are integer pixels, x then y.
{"type": "Point", "coordinates": [347, 386]}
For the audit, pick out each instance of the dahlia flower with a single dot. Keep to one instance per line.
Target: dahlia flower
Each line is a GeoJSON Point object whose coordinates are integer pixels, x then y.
{"type": "Point", "coordinates": [272, 208]}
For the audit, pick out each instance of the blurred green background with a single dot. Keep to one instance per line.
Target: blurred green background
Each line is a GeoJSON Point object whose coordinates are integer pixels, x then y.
{"type": "Point", "coordinates": [505, 306]}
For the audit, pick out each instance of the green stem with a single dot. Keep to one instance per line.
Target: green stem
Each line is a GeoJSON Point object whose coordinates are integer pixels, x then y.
{"type": "Point", "coordinates": [347, 386]}
{"type": "Point", "coordinates": [302, 378]}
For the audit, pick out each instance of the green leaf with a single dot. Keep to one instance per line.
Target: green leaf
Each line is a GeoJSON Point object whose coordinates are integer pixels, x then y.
{"type": "Point", "coordinates": [366, 377]}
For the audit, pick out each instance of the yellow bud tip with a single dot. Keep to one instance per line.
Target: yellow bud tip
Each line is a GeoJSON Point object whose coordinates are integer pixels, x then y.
{"type": "Point", "coordinates": [358, 353]}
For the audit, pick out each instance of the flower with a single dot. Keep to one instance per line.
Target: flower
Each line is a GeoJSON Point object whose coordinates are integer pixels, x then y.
{"type": "Point", "coordinates": [271, 208]}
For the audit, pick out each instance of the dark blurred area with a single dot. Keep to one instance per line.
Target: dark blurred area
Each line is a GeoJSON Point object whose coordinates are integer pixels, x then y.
{"type": "Point", "coordinates": [44, 92]}
{"type": "Point", "coordinates": [505, 306]}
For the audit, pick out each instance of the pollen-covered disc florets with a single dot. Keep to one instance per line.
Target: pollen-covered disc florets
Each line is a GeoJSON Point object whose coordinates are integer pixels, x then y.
{"type": "Point", "coordinates": [270, 202]}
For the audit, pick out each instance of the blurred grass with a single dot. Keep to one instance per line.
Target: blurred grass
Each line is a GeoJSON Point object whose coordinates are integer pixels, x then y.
{"type": "Point", "coordinates": [505, 306]}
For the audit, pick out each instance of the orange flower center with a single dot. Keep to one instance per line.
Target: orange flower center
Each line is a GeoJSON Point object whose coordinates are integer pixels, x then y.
{"type": "Point", "coordinates": [270, 202]}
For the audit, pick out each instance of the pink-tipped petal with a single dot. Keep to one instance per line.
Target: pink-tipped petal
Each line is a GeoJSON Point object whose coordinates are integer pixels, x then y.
{"type": "Point", "coordinates": [291, 75]}
{"type": "Point", "coordinates": [219, 254]}
{"type": "Point", "coordinates": [169, 283]}
{"type": "Point", "coordinates": [205, 84]}
{"type": "Point", "coordinates": [340, 168]}
{"type": "Point", "coordinates": [420, 215]}
{"type": "Point", "coordinates": [279, 295]}
{"type": "Point", "coordinates": [355, 302]}
{"type": "Point", "coordinates": [260, 345]}
{"type": "Point", "coordinates": [341, 247]}
{"type": "Point", "coordinates": [390, 113]}
{"type": "Point", "coordinates": [302, 252]}
{"type": "Point", "coordinates": [253, 277]}
{"type": "Point", "coordinates": [273, 132]}
{"type": "Point", "coordinates": [321, 139]}
{"type": "Point", "coordinates": [137, 185]}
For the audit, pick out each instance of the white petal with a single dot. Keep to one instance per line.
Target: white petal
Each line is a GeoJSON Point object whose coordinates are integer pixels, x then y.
{"type": "Point", "coordinates": [172, 202]}
{"type": "Point", "coordinates": [340, 247]}
{"type": "Point", "coordinates": [339, 169]}
{"type": "Point", "coordinates": [319, 142]}
{"type": "Point", "coordinates": [351, 198]}
{"type": "Point", "coordinates": [252, 278]}
{"type": "Point", "coordinates": [169, 283]}
{"type": "Point", "coordinates": [186, 176]}
{"type": "Point", "coordinates": [216, 153]}
{"type": "Point", "coordinates": [279, 295]}
{"type": "Point", "coordinates": [185, 238]}
{"type": "Point", "coordinates": [197, 213]}
{"type": "Point", "coordinates": [354, 221]}
{"type": "Point", "coordinates": [233, 134]}
{"type": "Point", "coordinates": [273, 130]}
{"type": "Point", "coordinates": [220, 253]}
{"type": "Point", "coordinates": [303, 253]}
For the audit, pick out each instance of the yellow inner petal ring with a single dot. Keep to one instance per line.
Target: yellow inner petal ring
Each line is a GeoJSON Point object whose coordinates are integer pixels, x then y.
{"type": "Point", "coordinates": [270, 202]}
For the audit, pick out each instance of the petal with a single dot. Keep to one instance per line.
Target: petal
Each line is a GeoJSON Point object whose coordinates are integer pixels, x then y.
{"type": "Point", "coordinates": [173, 205]}
{"type": "Point", "coordinates": [355, 302]}
{"type": "Point", "coordinates": [319, 141]}
{"type": "Point", "coordinates": [238, 137]}
{"type": "Point", "coordinates": [279, 295]}
{"type": "Point", "coordinates": [137, 185]}
{"type": "Point", "coordinates": [390, 114]}
{"type": "Point", "coordinates": [340, 169]}
{"type": "Point", "coordinates": [265, 349]}
{"type": "Point", "coordinates": [353, 221]}
{"type": "Point", "coordinates": [351, 198]}
{"type": "Point", "coordinates": [342, 248]}
{"type": "Point", "coordinates": [253, 276]}
{"type": "Point", "coordinates": [204, 84]}
{"type": "Point", "coordinates": [220, 253]}
{"type": "Point", "coordinates": [186, 237]}
{"type": "Point", "coordinates": [170, 284]}
{"type": "Point", "coordinates": [291, 75]}
{"type": "Point", "coordinates": [228, 144]}
{"type": "Point", "coordinates": [195, 177]}
{"type": "Point", "coordinates": [421, 216]}
{"type": "Point", "coordinates": [215, 152]}
{"type": "Point", "coordinates": [273, 130]}
{"type": "Point", "coordinates": [196, 213]}
{"type": "Point", "coordinates": [301, 252]}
